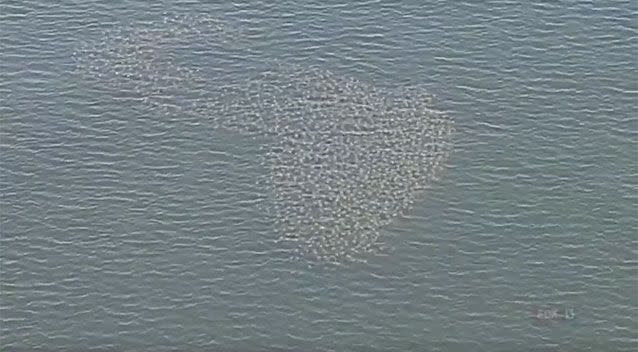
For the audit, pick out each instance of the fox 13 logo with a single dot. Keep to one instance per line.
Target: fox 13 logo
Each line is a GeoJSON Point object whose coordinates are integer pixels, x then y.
{"type": "Point", "coordinates": [555, 314]}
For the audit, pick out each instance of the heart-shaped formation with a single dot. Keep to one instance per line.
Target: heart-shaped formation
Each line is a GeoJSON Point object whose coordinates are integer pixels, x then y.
{"type": "Point", "coordinates": [345, 157]}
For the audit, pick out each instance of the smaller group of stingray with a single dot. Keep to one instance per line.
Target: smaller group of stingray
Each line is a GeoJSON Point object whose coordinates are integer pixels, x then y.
{"type": "Point", "coordinates": [345, 157]}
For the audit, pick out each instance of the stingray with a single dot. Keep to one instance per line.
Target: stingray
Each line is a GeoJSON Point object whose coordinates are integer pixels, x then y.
{"type": "Point", "coordinates": [345, 157]}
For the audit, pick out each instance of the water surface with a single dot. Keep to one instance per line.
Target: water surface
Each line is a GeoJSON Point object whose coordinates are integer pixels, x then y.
{"type": "Point", "coordinates": [127, 229]}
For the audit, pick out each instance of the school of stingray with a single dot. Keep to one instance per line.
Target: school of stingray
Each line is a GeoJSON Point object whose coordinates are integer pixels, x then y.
{"type": "Point", "coordinates": [345, 157]}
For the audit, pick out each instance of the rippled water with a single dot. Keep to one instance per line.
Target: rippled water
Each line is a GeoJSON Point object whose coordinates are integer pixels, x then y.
{"type": "Point", "coordinates": [128, 225]}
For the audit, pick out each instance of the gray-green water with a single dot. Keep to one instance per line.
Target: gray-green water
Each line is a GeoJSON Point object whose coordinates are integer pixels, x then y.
{"type": "Point", "coordinates": [124, 227]}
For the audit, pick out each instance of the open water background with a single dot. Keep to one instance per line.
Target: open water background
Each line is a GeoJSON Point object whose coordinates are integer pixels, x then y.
{"type": "Point", "coordinates": [124, 231]}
